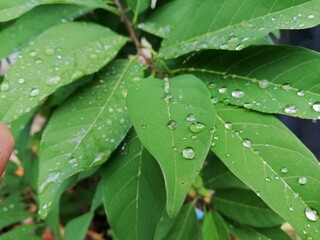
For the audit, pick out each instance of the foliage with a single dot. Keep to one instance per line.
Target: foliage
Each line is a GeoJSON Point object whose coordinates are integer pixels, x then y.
{"type": "Point", "coordinates": [149, 129]}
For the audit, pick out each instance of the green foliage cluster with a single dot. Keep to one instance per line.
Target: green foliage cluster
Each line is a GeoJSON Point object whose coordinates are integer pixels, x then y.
{"type": "Point", "coordinates": [147, 127]}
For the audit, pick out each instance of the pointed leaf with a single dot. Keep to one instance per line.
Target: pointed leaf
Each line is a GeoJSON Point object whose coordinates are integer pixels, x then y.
{"type": "Point", "coordinates": [24, 231]}
{"type": "Point", "coordinates": [245, 79]}
{"type": "Point", "coordinates": [13, 9]}
{"type": "Point", "coordinates": [225, 25]}
{"type": "Point", "coordinates": [20, 34]}
{"type": "Point", "coordinates": [247, 233]}
{"type": "Point", "coordinates": [245, 207]}
{"type": "Point", "coordinates": [266, 156]}
{"type": "Point", "coordinates": [97, 121]}
{"type": "Point", "coordinates": [134, 192]}
{"type": "Point", "coordinates": [214, 227]}
{"type": "Point", "coordinates": [57, 57]}
{"type": "Point", "coordinates": [173, 119]}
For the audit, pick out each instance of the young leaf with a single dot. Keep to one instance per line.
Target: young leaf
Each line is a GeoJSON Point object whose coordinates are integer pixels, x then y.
{"type": "Point", "coordinates": [266, 156]}
{"type": "Point", "coordinates": [52, 61]}
{"type": "Point", "coordinates": [10, 10]}
{"type": "Point", "coordinates": [97, 123]}
{"type": "Point", "coordinates": [224, 25]}
{"type": "Point", "coordinates": [133, 186]}
{"type": "Point", "coordinates": [182, 227]}
{"type": "Point", "coordinates": [173, 119]}
{"type": "Point", "coordinates": [20, 33]}
{"type": "Point", "coordinates": [245, 79]}
{"type": "Point", "coordinates": [245, 207]}
{"type": "Point", "coordinates": [214, 227]}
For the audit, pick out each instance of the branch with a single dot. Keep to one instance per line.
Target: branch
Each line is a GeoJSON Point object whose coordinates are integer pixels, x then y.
{"type": "Point", "coordinates": [135, 40]}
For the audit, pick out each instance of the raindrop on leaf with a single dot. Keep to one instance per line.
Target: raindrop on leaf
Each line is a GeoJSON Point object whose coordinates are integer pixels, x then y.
{"type": "Point", "coordinates": [188, 153]}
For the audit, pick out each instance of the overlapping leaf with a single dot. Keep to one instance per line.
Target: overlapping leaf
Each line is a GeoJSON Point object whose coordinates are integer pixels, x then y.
{"type": "Point", "coordinates": [13, 9]}
{"type": "Point", "coordinates": [214, 227]}
{"type": "Point", "coordinates": [273, 162]}
{"type": "Point", "coordinates": [134, 193]}
{"type": "Point", "coordinates": [20, 33]}
{"type": "Point", "coordinates": [269, 79]}
{"type": "Point", "coordinates": [86, 129]}
{"type": "Point", "coordinates": [57, 57]}
{"type": "Point", "coordinates": [225, 25]}
{"type": "Point", "coordinates": [173, 119]}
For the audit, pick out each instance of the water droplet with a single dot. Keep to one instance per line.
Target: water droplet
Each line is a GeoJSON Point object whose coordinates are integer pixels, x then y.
{"type": "Point", "coordinates": [228, 125]}
{"type": "Point", "coordinates": [291, 208]}
{"type": "Point", "coordinates": [232, 39]}
{"type": "Point", "coordinates": [316, 106]}
{"type": "Point", "coordinates": [49, 51]}
{"type": "Point", "coordinates": [247, 105]}
{"type": "Point", "coordinates": [167, 97]}
{"type": "Point", "coordinates": [224, 46]}
{"type": "Point", "coordinates": [239, 47]}
{"type": "Point", "coordinates": [214, 100]}
{"type": "Point", "coordinates": [284, 170]}
{"type": "Point", "coordinates": [172, 124]}
{"type": "Point", "coordinates": [21, 80]}
{"type": "Point", "coordinates": [246, 143]}
{"type": "Point", "coordinates": [191, 117]}
{"type": "Point", "coordinates": [188, 153]}
{"type": "Point", "coordinates": [303, 180]}
{"type": "Point", "coordinates": [38, 60]}
{"type": "Point", "coordinates": [213, 129]}
{"type": "Point", "coordinates": [263, 84]}
{"type": "Point", "coordinates": [223, 90]}
{"type": "Point", "coordinates": [54, 80]}
{"type": "Point", "coordinates": [300, 93]}
{"type": "Point", "coordinates": [34, 92]}
{"type": "Point", "coordinates": [33, 53]}
{"type": "Point", "coordinates": [311, 214]}
{"type": "Point", "coordinates": [4, 86]}
{"type": "Point", "coordinates": [290, 109]}
{"type": "Point", "coordinates": [212, 85]}
{"type": "Point", "coordinates": [237, 93]}
{"type": "Point", "coordinates": [197, 127]}
{"type": "Point", "coordinates": [286, 86]}
{"type": "Point", "coordinates": [311, 16]}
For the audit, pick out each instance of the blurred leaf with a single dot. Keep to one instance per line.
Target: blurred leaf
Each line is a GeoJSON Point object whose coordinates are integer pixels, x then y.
{"type": "Point", "coordinates": [97, 123]}
{"type": "Point", "coordinates": [20, 33]}
{"type": "Point", "coordinates": [266, 156]}
{"type": "Point", "coordinates": [214, 227]}
{"type": "Point", "coordinates": [246, 233]}
{"type": "Point", "coordinates": [138, 6]}
{"type": "Point", "coordinates": [13, 9]}
{"type": "Point", "coordinates": [134, 192]}
{"type": "Point", "coordinates": [245, 79]}
{"type": "Point", "coordinates": [173, 119]}
{"type": "Point", "coordinates": [52, 61]}
{"type": "Point", "coordinates": [245, 207]}
{"type": "Point", "coordinates": [274, 233]}
{"type": "Point", "coordinates": [24, 231]}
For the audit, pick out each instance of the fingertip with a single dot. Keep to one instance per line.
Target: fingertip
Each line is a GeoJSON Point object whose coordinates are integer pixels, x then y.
{"type": "Point", "coordinates": [6, 146]}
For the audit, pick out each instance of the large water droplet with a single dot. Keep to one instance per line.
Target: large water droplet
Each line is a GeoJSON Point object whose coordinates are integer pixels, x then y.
{"type": "Point", "coordinates": [290, 109]}
{"type": "Point", "coordinates": [228, 125]}
{"type": "Point", "coordinates": [188, 153]}
{"type": "Point", "coordinates": [246, 143]}
{"type": "Point", "coordinates": [263, 83]}
{"type": "Point", "coordinates": [172, 124]}
{"type": "Point", "coordinates": [316, 106]}
{"type": "Point", "coordinates": [311, 214]}
{"type": "Point", "coordinates": [303, 180]}
{"type": "Point", "coordinates": [34, 92]}
{"type": "Point", "coordinates": [191, 117]}
{"type": "Point", "coordinates": [237, 93]}
{"type": "Point", "coordinates": [197, 127]}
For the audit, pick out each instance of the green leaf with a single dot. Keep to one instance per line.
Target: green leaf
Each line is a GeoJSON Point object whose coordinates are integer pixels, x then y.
{"type": "Point", "coordinates": [52, 61]}
{"type": "Point", "coordinates": [245, 207]}
{"type": "Point", "coordinates": [20, 33]}
{"type": "Point", "coordinates": [245, 79]}
{"type": "Point", "coordinates": [222, 24]}
{"type": "Point", "coordinates": [266, 156]}
{"type": "Point", "coordinates": [274, 233]}
{"type": "Point", "coordinates": [13, 9]}
{"type": "Point", "coordinates": [24, 231]}
{"type": "Point", "coordinates": [214, 227]}
{"type": "Point", "coordinates": [182, 227]}
{"type": "Point", "coordinates": [97, 121]}
{"type": "Point", "coordinates": [173, 119]}
{"type": "Point", "coordinates": [138, 6]}
{"type": "Point", "coordinates": [246, 233]}
{"type": "Point", "coordinates": [133, 185]}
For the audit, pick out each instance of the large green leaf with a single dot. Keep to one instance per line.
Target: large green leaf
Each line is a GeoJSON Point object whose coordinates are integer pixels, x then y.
{"type": "Point", "coordinates": [20, 33]}
{"type": "Point", "coordinates": [13, 9]}
{"type": "Point", "coordinates": [265, 155]}
{"type": "Point", "coordinates": [182, 227]}
{"type": "Point", "coordinates": [226, 25]}
{"type": "Point", "coordinates": [134, 193]}
{"type": "Point", "coordinates": [269, 79]}
{"type": "Point", "coordinates": [57, 57]}
{"type": "Point", "coordinates": [86, 129]}
{"type": "Point", "coordinates": [173, 119]}
{"type": "Point", "coordinates": [245, 207]}
{"type": "Point", "coordinates": [214, 227]}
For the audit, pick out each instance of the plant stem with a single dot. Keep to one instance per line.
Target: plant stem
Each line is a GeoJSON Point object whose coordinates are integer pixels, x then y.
{"type": "Point", "coordinates": [135, 40]}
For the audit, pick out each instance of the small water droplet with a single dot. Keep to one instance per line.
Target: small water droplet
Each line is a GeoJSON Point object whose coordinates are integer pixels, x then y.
{"type": "Point", "coordinates": [290, 109]}
{"type": "Point", "coordinates": [316, 106]}
{"type": "Point", "coordinates": [237, 93]}
{"type": "Point", "coordinates": [247, 105]}
{"type": "Point", "coordinates": [188, 153]}
{"type": "Point", "coordinates": [291, 208]}
{"type": "Point", "coordinates": [38, 60]}
{"type": "Point", "coordinates": [228, 125]}
{"type": "Point", "coordinates": [224, 46]}
{"type": "Point", "coordinates": [197, 127]}
{"type": "Point", "coordinates": [213, 129]}
{"type": "Point", "coordinates": [53, 80]}
{"type": "Point", "coordinates": [212, 85]}
{"type": "Point", "coordinates": [34, 92]}
{"type": "Point", "coordinates": [4, 86]}
{"type": "Point", "coordinates": [167, 97]}
{"type": "Point", "coordinates": [300, 93]}
{"type": "Point", "coordinates": [303, 180]}
{"type": "Point", "coordinates": [191, 117]}
{"type": "Point", "coordinates": [33, 53]}
{"type": "Point", "coordinates": [214, 100]}
{"type": "Point", "coordinates": [246, 143]}
{"type": "Point", "coordinates": [263, 84]}
{"type": "Point", "coordinates": [49, 51]}
{"type": "Point", "coordinates": [311, 16]}
{"type": "Point", "coordinates": [286, 86]}
{"type": "Point", "coordinates": [21, 80]}
{"type": "Point", "coordinates": [284, 170]}
{"type": "Point", "coordinates": [311, 214]}
{"type": "Point", "coordinates": [223, 90]}
{"type": "Point", "coordinates": [172, 124]}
